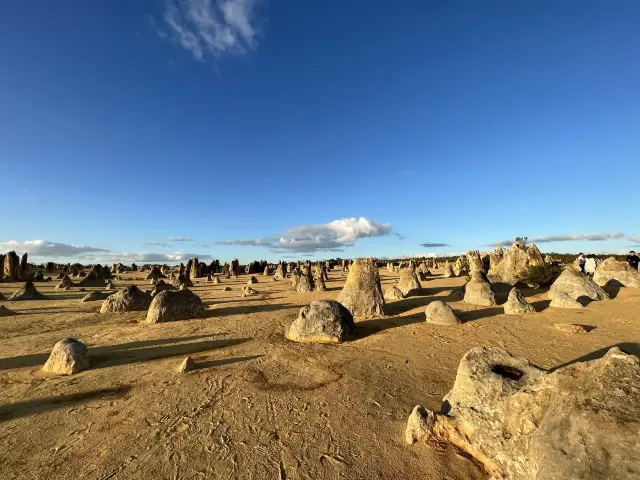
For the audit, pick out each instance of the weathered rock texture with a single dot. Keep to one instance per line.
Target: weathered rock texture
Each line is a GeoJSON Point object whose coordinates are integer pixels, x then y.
{"type": "Point", "coordinates": [95, 296]}
{"type": "Point", "coordinates": [408, 282]}
{"type": "Point", "coordinates": [562, 300]}
{"type": "Point", "coordinates": [247, 291]}
{"type": "Point", "coordinates": [575, 285]}
{"type": "Point", "coordinates": [519, 264]}
{"type": "Point", "coordinates": [28, 292]}
{"type": "Point", "coordinates": [65, 282]}
{"type": "Point", "coordinates": [477, 291]}
{"type": "Point", "coordinates": [323, 321]}
{"type": "Point", "coordinates": [448, 270]}
{"type": "Point", "coordinates": [11, 267]}
{"type": "Point", "coordinates": [155, 274]}
{"type": "Point", "coordinates": [440, 313]}
{"type": "Point", "coordinates": [186, 365]}
{"type": "Point", "coordinates": [68, 356]}
{"type": "Point", "coordinates": [95, 277]}
{"type": "Point", "coordinates": [362, 294]}
{"type": "Point", "coordinates": [170, 306]}
{"type": "Point", "coordinates": [516, 304]}
{"type": "Point", "coordinates": [393, 293]}
{"type": "Point", "coordinates": [131, 299]}
{"type": "Point", "coordinates": [302, 281]}
{"type": "Point", "coordinates": [522, 423]}
{"type": "Point", "coordinates": [622, 272]}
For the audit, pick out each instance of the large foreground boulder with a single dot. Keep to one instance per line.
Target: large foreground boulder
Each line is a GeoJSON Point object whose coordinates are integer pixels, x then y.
{"type": "Point", "coordinates": [575, 285]}
{"type": "Point", "coordinates": [131, 299]}
{"type": "Point", "coordinates": [520, 422]}
{"type": "Point", "coordinates": [516, 304]}
{"type": "Point", "coordinates": [323, 321]}
{"type": "Point", "coordinates": [622, 272]}
{"type": "Point", "coordinates": [440, 313]}
{"type": "Point", "coordinates": [362, 294]}
{"type": "Point", "coordinates": [477, 291]}
{"type": "Point", "coordinates": [28, 292]}
{"type": "Point", "coordinates": [170, 306]}
{"type": "Point", "coordinates": [408, 282]}
{"type": "Point", "coordinates": [68, 356]}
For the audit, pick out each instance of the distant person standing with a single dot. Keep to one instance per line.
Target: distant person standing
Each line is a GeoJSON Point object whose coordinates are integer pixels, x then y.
{"type": "Point", "coordinates": [633, 259]}
{"type": "Point", "coordinates": [581, 261]}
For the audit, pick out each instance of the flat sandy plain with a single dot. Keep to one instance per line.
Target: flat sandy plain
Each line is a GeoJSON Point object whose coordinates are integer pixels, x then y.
{"type": "Point", "coordinates": [259, 406]}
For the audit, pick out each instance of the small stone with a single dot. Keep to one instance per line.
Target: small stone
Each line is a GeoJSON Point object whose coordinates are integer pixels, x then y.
{"type": "Point", "coordinates": [187, 365]}
{"type": "Point", "coordinates": [570, 328]}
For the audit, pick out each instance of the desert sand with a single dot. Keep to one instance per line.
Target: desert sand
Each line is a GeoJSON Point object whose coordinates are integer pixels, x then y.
{"type": "Point", "coordinates": [258, 406]}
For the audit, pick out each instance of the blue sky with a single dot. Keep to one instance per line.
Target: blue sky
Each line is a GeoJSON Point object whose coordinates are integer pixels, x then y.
{"type": "Point", "coordinates": [317, 128]}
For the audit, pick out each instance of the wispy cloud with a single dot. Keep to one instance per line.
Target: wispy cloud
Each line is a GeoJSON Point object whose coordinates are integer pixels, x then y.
{"type": "Point", "coordinates": [634, 238]}
{"type": "Point", "coordinates": [155, 244]}
{"type": "Point", "coordinates": [327, 237]}
{"type": "Point", "coordinates": [434, 245]}
{"type": "Point", "coordinates": [400, 237]}
{"type": "Point", "coordinates": [45, 248]}
{"type": "Point", "coordinates": [128, 257]}
{"type": "Point", "coordinates": [209, 29]}
{"type": "Point", "coordinates": [591, 237]}
{"type": "Point", "coordinates": [433, 255]}
{"type": "Point", "coordinates": [180, 239]}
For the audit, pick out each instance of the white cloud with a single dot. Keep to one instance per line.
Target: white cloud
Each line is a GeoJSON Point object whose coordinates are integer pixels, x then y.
{"type": "Point", "coordinates": [208, 28]}
{"type": "Point", "coordinates": [333, 236]}
{"type": "Point", "coordinates": [634, 238]}
{"type": "Point", "coordinates": [126, 257]}
{"type": "Point", "coordinates": [44, 248]}
{"type": "Point", "coordinates": [591, 237]}
{"type": "Point", "coordinates": [155, 244]}
{"type": "Point", "coordinates": [180, 239]}
{"type": "Point", "coordinates": [434, 255]}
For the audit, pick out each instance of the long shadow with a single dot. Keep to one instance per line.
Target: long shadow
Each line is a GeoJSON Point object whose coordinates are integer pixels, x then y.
{"type": "Point", "coordinates": [124, 357]}
{"type": "Point", "coordinates": [367, 328]}
{"type": "Point", "coordinates": [225, 361]}
{"type": "Point", "coordinates": [239, 309]}
{"type": "Point", "coordinates": [435, 290]}
{"type": "Point", "coordinates": [41, 405]}
{"type": "Point", "coordinates": [471, 315]}
{"type": "Point", "coordinates": [629, 348]}
{"type": "Point", "coordinates": [41, 358]}
{"type": "Point", "coordinates": [409, 303]}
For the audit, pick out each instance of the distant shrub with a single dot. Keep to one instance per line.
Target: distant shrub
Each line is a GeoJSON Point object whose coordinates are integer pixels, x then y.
{"type": "Point", "coordinates": [535, 275]}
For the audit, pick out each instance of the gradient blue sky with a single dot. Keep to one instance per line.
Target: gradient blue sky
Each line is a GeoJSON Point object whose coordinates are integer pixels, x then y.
{"type": "Point", "coordinates": [452, 122]}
